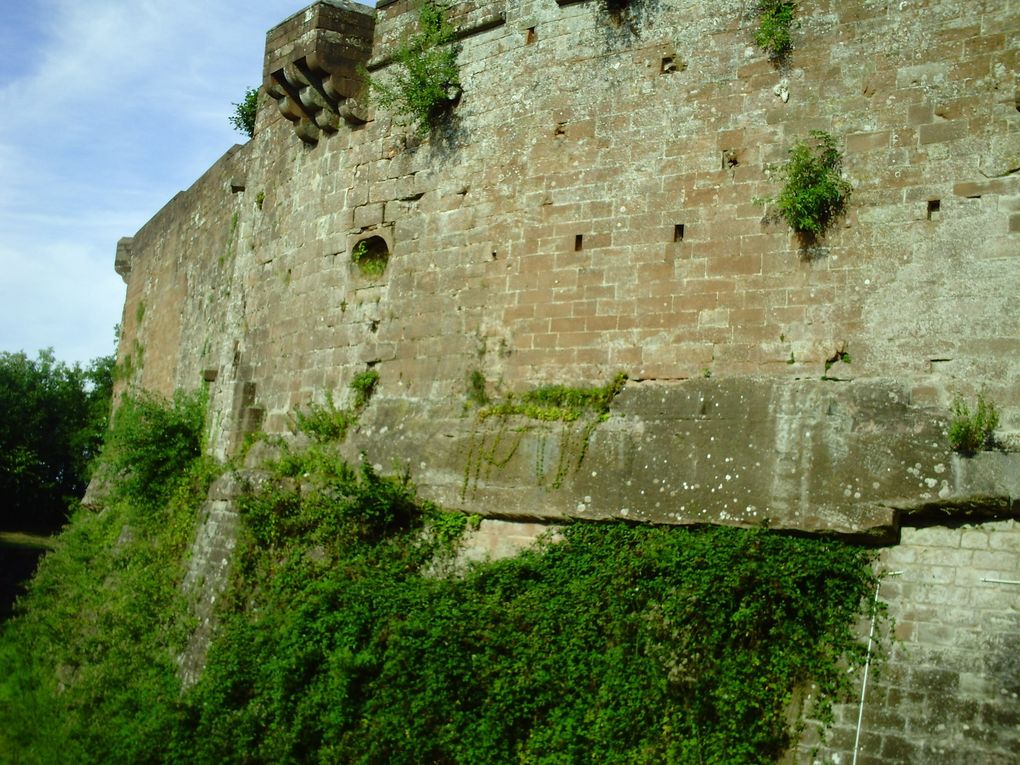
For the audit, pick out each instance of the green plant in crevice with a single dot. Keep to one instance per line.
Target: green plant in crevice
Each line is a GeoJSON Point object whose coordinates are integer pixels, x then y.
{"type": "Point", "coordinates": [814, 191]}
{"type": "Point", "coordinates": [426, 84]}
{"type": "Point", "coordinates": [328, 422]}
{"type": "Point", "coordinates": [775, 21]}
{"type": "Point", "coordinates": [363, 385]}
{"type": "Point", "coordinates": [260, 199]}
{"type": "Point", "coordinates": [371, 261]}
{"type": "Point", "coordinates": [476, 392]}
{"type": "Point", "coordinates": [243, 118]}
{"type": "Point", "coordinates": [971, 431]}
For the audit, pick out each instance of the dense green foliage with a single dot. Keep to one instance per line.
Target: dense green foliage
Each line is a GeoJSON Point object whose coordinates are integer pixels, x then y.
{"type": "Point", "coordinates": [814, 190]}
{"type": "Point", "coordinates": [348, 634]}
{"type": "Point", "coordinates": [775, 22]}
{"type": "Point", "coordinates": [152, 442]}
{"type": "Point", "coordinates": [87, 667]}
{"type": "Point", "coordinates": [54, 418]}
{"type": "Point", "coordinates": [617, 644]}
{"type": "Point", "coordinates": [243, 118]}
{"type": "Point", "coordinates": [426, 83]}
{"type": "Point", "coordinates": [969, 431]}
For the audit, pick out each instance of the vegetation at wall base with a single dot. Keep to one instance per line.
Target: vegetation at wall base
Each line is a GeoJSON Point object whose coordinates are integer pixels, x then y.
{"type": "Point", "coordinates": [618, 643]}
{"type": "Point", "coordinates": [775, 22]}
{"type": "Point", "coordinates": [243, 118]}
{"type": "Point", "coordinates": [971, 431]}
{"type": "Point", "coordinates": [814, 191]}
{"type": "Point", "coordinates": [88, 670]}
{"type": "Point", "coordinates": [426, 83]}
{"type": "Point", "coordinates": [348, 633]}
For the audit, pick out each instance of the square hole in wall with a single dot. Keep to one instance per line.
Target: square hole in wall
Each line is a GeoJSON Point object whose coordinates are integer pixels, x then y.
{"type": "Point", "coordinates": [678, 232]}
{"type": "Point", "coordinates": [530, 36]}
{"type": "Point", "coordinates": [667, 65]}
{"type": "Point", "coordinates": [578, 242]}
{"type": "Point", "coordinates": [730, 159]}
{"type": "Point", "coordinates": [934, 207]}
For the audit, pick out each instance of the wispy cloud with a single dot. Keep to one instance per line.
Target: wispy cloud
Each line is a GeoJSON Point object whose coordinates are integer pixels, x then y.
{"type": "Point", "coordinates": [107, 109]}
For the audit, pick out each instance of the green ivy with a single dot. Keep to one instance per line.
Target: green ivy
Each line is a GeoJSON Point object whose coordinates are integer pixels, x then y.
{"type": "Point", "coordinates": [814, 190]}
{"type": "Point", "coordinates": [618, 643]}
{"type": "Point", "coordinates": [426, 83]}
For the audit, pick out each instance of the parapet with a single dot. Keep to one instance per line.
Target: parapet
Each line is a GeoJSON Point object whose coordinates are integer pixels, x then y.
{"type": "Point", "coordinates": [312, 62]}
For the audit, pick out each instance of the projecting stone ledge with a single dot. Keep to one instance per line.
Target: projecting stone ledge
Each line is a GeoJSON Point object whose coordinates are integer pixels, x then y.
{"type": "Point", "coordinates": [312, 62]}
{"type": "Point", "coordinates": [814, 456]}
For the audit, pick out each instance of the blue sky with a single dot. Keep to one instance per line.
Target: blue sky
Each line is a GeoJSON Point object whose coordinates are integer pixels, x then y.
{"type": "Point", "coordinates": [107, 109]}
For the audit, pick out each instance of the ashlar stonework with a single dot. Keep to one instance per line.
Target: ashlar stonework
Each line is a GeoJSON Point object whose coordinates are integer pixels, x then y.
{"type": "Point", "coordinates": [590, 207]}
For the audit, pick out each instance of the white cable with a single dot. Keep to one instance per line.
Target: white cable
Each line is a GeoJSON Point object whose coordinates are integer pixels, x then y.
{"type": "Point", "coordinates": [867, 664]}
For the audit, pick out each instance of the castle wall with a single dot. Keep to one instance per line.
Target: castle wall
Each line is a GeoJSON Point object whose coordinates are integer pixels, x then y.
{"type": "Point", "coordinates": [591, 208]}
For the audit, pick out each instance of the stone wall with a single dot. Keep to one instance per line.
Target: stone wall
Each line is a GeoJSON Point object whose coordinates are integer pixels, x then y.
{"type": "Point", "coordinates": [590, 208]}
{"type": "Point", "coordinates": [949, 691]}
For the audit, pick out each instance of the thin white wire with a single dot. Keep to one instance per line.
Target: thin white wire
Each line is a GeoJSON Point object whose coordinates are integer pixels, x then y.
{"type": "Point", "coordinates": [867, 664]}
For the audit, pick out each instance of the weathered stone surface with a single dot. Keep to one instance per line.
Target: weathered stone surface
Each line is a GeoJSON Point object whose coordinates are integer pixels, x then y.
{"type": "Point", "coordinates": [948, 690]}
{"type": "Point", "coordinates": [590, 209]}
{"type": "Point", "coordinates": [846, 458]}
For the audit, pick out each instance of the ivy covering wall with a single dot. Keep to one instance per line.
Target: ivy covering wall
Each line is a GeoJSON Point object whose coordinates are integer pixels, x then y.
{"type": "Point", "coordinates": [349, 634]}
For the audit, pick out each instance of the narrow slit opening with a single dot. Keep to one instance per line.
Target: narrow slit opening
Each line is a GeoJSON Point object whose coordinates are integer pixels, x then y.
{"type": "Point", "coordinates": [934, 206]}
{"type": "Point", "coordinates": [678, 232]}
{"type": "Point", "coordinates": [578, 242]}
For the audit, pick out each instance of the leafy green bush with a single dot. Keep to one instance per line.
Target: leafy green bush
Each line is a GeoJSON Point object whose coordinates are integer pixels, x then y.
{"type": "Point", "coordinates": [618, 644]}
{"type": "Point", "coordinates": [814, 190]}
{"type": "Point", "coordinates": [775, 22]}
{"type": "Point", "coordinates": [243, 118]}
{"type": "Point", "coordinates": [426, 84]}
{"type": "Point", "coordinates": [970, 431]}
{"type": "Point", "coordinates": [153, 441]}
{"type": "Point", "coordinates": [87, 666]}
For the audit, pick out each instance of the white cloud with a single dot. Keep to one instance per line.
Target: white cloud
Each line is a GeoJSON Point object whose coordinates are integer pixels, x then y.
{"type": "Point", "coordinates": [113, 108]}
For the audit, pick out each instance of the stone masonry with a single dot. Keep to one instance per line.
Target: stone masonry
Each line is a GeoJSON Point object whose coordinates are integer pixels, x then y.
{"type": "Point", "coordinates": [593, 206]}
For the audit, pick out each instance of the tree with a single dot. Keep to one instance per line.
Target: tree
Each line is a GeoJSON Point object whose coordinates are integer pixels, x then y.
{"type": "Point", "coordinates": [243, 118]}
{"type": "Point", "coordinates": [52, 421]}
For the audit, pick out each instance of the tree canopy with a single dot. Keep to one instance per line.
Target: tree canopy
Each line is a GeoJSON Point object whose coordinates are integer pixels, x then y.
{"type": "Point", "coordinates": [52, 420]}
